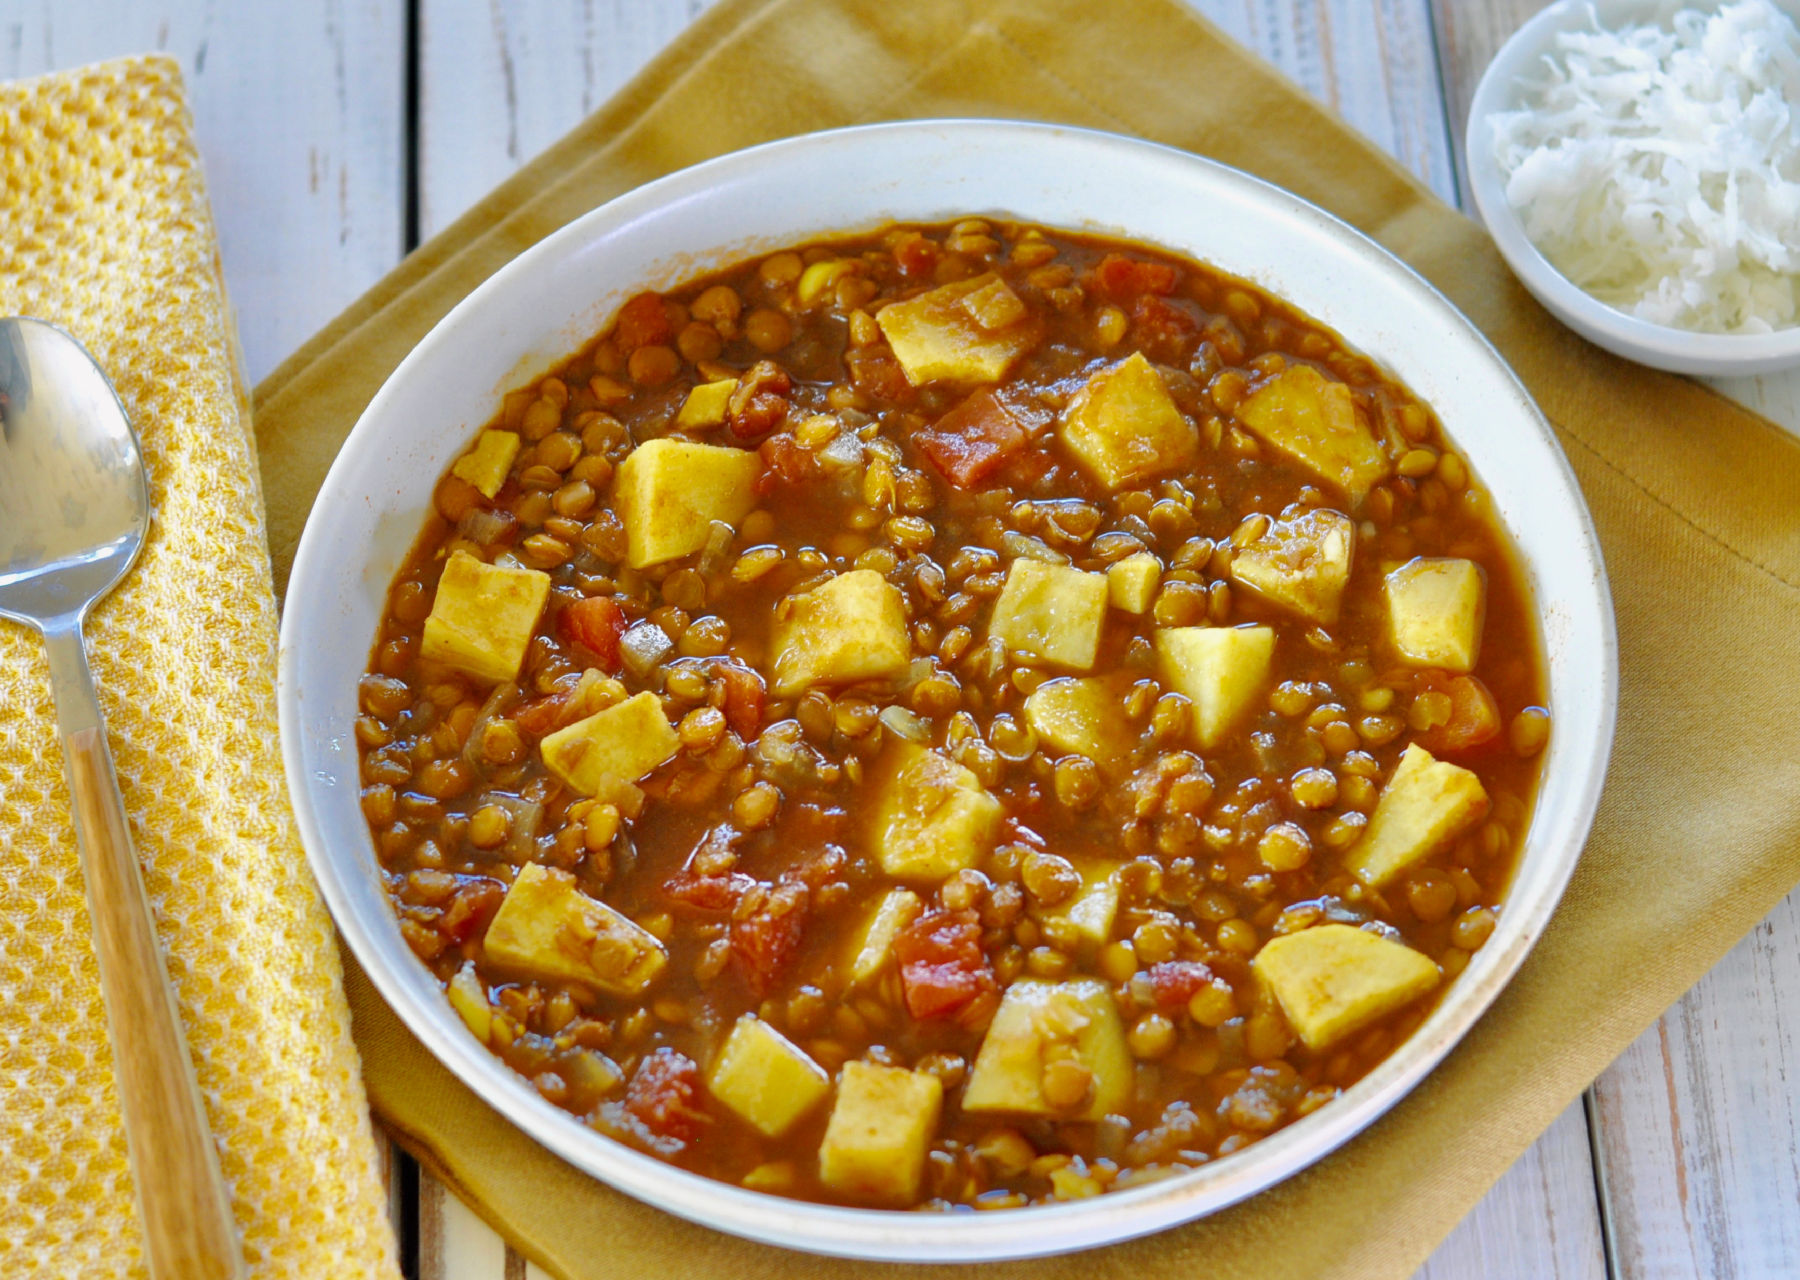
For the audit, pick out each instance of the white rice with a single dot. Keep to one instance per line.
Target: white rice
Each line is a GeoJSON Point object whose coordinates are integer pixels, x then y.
{"type": "Point", "coordinates": [1658, 167]}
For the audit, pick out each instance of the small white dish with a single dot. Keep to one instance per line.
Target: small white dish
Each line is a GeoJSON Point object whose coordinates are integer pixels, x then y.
{"type": "Point", "coordinates": [554, 296]}
{"type": "Point", "coordinates": [1659, 346]}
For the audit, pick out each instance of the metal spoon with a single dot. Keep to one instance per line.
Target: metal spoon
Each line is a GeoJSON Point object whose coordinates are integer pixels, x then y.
{"type": "Point", "coordinates": [73, 510]}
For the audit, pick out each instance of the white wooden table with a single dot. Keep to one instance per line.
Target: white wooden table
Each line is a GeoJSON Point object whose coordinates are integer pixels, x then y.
{"type": "Point", "coordinates": [338, 133]}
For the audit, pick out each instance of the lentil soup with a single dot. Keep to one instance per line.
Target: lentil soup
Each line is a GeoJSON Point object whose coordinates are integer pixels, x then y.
{"type": "Point", "coordinates": [969, 716]}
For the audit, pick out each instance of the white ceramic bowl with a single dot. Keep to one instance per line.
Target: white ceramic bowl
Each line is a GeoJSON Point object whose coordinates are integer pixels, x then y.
{"type": "Point", "coordinates": [1659, 346]}
{"type": "Point", "coordinates": [553, 297]}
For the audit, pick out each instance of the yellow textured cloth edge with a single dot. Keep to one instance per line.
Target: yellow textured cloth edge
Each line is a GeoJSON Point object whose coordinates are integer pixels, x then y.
{"type": "Point", "coordinates": [1693, 496]}
{"type": "Point", "coordinates": [105, 229]}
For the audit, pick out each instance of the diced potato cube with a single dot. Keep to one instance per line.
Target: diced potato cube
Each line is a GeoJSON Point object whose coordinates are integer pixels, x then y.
{"type": "Point", "coordinates": [933, 817]}
{"type": "Point", "coordinates": [1425, 805]}
{"type": "Point", "coordinates": [851, 628]}
{"type": "Point", "coordinates": [936, 339]}
{"type": "Point", "coordinates": [549, 930]}
{"type": "Point", "coordinates": [1435, 612]}
{"type": "Point", "coordinates": [1123, 427]}
{"type": "Point", "coordinates": [1301, 563]}
{"type": "Point", "coordinates": [468, 996]}
{"type": "Point", "coordinates": [994, 306]}
{"type": "Point", "coordinates": [670, 491]}
{"type": "Point", "coordinates": [875, 947]}
{"type": "Point", "coordinates": [591, 1072]}
{"type": "Point", "coordinates": [1131, 583]}
{"type": "Point", "coordinates": [483, 617]}
{"type": "Point", "coordinates": [880, 1127]}
{"type": "Point", "coordinates": [1334, 979]}
{"type": "Point", "coordinates": [777, 1177]}
{"type": "Point", "coordinates": [1094, 907]}
{"type": "Point", "coordinates": [1039, 1023]}
{"type": "Point", "coordinates": [608, 751]}
{"type": "Point", "coordinates": [1081, 715]}
{"type": "Point", "coordinates": [1051, 613]}
{"type": "Point", "coordinates": [1221, 670]}
{"type": "Point", "coordinates": [765, 1078]}
{"type": "Point", "coordinates": [705, 405]}
{"type": "Point", "coordinates": [487, 464]}
{"type": "Point", "coordinates": [1313, 419]}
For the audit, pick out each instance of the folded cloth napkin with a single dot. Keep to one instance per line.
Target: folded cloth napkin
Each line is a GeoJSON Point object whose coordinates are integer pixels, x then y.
{"type": "Point", "coordinates": [1696, 502]}
{"type": "Point", "coordinates": [104, 229]}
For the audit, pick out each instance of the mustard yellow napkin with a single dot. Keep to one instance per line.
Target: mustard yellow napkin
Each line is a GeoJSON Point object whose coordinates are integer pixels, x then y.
{"type": "Point", "coordinates": [104, 229]}
{"type": "Point", "coordinates": [1698, 505]}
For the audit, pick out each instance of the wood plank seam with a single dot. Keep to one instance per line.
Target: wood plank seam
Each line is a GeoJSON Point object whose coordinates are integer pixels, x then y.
{"type": "Point", "coordinates": [1609, 1240]}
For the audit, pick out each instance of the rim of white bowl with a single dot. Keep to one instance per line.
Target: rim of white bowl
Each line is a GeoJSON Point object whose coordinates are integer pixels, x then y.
{"type": "Point", "coordinates": [1657, 345]}
{"type": "Point", "coordinates": [1557, 833]}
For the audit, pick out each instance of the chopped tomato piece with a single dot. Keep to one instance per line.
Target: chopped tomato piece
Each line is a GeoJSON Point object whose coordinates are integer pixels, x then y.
{"type": "Point", "coordinates": [664, 1093]}
{"type": "Point", "coordinates": [1121, 277]}
{"type": "Point", "coordinates": [875, 372]}
{"type": "Point", "coordinates": [475, 903]}
{"type": "Point", "coordinates": [643, 322]}
{"type": "Point", "coordinates": [971, 441]}
{"type": "Point", "coordinates": [821, 866]}
{"type": "Point", "coordinates": [766, 931]}
{"type": "Point", "coordinates": [1174, 982]}
{"type": "Point", "coordinates": [1025, 469]}
{"type": "Point", "coordinates": [595, 624]}
{"type": "Point", "coordinates": [784, 462]}
{"type": "Point", "coordinates": [1474, 715]}
{"type": "Point", "coordinates": [708, 893]}
{"type": "Point", "coordinates": [916, 255]}
{"type": "Point", "coordinates": [744, 696]}
{"type": "Point", "coordinates": [758, 404]}
{"type": "Point", "coordinates": [942, 966]}
{"type": "Point", "coordinates": [542, 715]}
{"type": "Point", "coordinates": [1164, 330]}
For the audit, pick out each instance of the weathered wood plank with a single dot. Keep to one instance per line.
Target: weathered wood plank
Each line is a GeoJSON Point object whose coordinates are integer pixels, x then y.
{"type": "Point", "coordinates": [1469, 33]}
{"type": "Point", "coordinates": [454, 1244]}
{"type": "Point", "coordinates": [1699, 1127]}
{"type": "Point", "coordinates": [1774, 395]}
{"type": "Point", "coordinates": [1372, 61]}
{"type": "Point", "coordinates": [391, 1163]}
{"type": "Point", "coordinates": [1540, 1220]}
{"type": "Point", "coordinates": [298, 110]}
{"type": "Point", "coordinates": [1699, 1121]}
{"type": "Point", "coordinates": [497, 87]}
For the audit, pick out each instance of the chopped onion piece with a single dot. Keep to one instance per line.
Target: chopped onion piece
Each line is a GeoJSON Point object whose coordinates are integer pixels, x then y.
{"type": "Point", "coordinates": [906, 724]}
{"type": "Point", "coordinates": [643, 648]}
{"type": "Point", "coordinates": [845, 450]}
{"type": "Point", "coordinates": [521, 837]}
{"type": "Point", "coordinates": [1022, 546]}
{"type": "Point", "coordinates": [484, 526]}
{"type": "Point", "coordinates": [719, 536]}
{"type": "Point", "coordinates": [498, 702]}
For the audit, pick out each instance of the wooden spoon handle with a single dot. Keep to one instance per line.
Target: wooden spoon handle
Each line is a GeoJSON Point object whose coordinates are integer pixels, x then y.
{"type": "Point", "coordinates": [189, 1233]}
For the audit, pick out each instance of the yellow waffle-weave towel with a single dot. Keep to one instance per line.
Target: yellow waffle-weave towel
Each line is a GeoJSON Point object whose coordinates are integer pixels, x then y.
{"type": "Point", "coordinates": [104, 229]}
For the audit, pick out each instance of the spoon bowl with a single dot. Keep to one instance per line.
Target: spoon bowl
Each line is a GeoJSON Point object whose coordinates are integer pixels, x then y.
{"type": "Point", "coordinates": [74, 510]}
{"type": "Point", "coordinates": [74, 505]}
